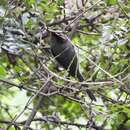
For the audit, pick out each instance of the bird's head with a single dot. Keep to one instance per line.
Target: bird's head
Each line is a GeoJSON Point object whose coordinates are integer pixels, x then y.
{"type": "Point", "coordinates": [58, 37]}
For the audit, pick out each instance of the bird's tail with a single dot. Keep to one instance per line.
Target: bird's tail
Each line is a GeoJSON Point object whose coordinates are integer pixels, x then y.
{"type": "Point", "coordinates": [90, 94]}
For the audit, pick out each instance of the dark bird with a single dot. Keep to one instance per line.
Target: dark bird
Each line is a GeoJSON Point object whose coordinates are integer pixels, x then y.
{"type": "Point", "coordinates": [64, 53]}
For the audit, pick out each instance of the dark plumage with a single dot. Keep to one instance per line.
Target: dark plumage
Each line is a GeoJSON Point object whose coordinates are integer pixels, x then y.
{"type": "Point", "coordinates": [65, 54]}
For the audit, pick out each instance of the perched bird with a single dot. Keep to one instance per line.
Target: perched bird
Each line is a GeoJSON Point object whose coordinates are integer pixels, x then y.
{"type": "Point", "coordinates": [64, 52]}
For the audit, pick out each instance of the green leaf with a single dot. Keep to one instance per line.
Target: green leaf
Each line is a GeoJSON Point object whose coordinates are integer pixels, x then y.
{"type": "Point", "coordinates": [29, 24]}
{"type": "Point", "coordinates": [29, 2]}
{"type": "Point", "coordinates": [127, 125]}
{"type": "Point", "coordinates": [2, 71]}
{"type": "Point", "coordinates": [111, 2]}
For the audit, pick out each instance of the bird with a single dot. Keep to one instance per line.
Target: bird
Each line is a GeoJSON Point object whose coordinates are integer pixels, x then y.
{"type": "Point", "coordinates": [64, 53]}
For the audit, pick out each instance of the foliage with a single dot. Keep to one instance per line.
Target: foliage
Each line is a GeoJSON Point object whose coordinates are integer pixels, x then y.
{"type": "Point", "coordinates": [102, 40]}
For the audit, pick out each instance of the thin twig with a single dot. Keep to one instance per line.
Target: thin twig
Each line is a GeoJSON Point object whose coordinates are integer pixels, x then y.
{"type": "Point", "coordinates": [36, 107]}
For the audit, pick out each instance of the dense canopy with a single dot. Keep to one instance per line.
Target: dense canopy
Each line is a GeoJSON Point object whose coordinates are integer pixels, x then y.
{"type": "Point", "coordinates": [36, 92]}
